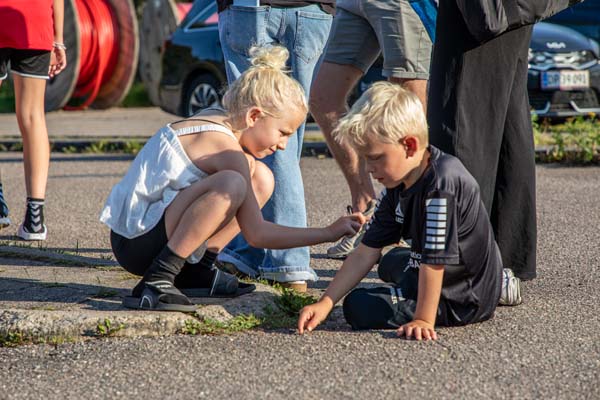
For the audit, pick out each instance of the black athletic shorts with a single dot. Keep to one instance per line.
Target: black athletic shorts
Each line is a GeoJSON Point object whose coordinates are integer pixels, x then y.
{"type": "Point", "coordinates": [29, 63]}
{"type": "Point", "coordinates": [136, 255]}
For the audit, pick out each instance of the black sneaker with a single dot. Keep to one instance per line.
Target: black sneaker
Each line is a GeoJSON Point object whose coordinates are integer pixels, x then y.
{"type": "Point", "coordinates": [33, 227]}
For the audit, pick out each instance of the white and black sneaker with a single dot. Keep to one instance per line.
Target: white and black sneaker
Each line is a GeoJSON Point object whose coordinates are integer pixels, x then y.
{"type": "Point", "coordinates": [33, 227]}
{"type": "Point", "coordinates": [348, 243]}
{"type": "Point", "coordinates": [511, 289]}
{"type": "Point", "coordinates": [4, 220]}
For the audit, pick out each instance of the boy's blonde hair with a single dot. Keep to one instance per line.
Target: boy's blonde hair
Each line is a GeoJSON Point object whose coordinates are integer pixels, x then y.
{"type": "Point", "coordinates": [386, 112]}
{"type": "Point", "coordinates": [266, 84]}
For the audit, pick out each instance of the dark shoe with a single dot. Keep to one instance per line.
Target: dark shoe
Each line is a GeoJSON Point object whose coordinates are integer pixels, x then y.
{"type": "Point", "coordinates": [223, 285]}
{"type": "Point", "coordinates": [160, 296]}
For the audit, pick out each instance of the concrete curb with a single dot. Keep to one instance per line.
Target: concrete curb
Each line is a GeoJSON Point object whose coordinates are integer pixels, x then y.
{"type": "Point", "coordinates": [48, 326]}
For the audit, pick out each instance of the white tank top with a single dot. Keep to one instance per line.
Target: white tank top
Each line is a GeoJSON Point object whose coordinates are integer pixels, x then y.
{"type": "Point", "coordinates": [159, 171]}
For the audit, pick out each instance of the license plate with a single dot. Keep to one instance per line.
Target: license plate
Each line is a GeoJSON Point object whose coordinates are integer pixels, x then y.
{"type": "Point", "coordinates": [565, 80]}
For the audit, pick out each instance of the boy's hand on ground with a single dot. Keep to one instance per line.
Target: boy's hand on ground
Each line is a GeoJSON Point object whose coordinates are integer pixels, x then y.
{"type": "Point", "coordinates": [346, 226]}
{"type": "Point", "coordinates": [419, 329]}
{"type": "Point", "coordinates": [311, 316]}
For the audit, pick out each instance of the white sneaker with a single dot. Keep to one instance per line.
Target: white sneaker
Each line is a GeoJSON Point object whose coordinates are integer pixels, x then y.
{"type": "Point", "coordinates": [511, 289]}
{"type": "Point", "coordinates": [4, 222]}
{"type": "Point", "coordinates": [26, 235]}
{"type": "Point", "coordinates": [349, 243]}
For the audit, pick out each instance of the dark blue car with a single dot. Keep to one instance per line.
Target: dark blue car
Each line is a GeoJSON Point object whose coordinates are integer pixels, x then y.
{"type": "Point", "coordinates": [564, 64]}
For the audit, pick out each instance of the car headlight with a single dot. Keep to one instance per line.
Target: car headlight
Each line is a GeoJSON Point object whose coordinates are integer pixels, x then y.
{"type": "Point", "coordinates": [574, 59]}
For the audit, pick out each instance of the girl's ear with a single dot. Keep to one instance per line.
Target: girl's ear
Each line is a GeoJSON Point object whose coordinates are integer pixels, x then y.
{"type": "Point", "coordinates": [252, 115]}
{"type": "Point", "coordinates": [411, 144]}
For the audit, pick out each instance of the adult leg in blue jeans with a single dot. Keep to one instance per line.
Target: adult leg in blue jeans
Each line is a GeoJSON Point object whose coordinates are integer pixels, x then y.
{"type": "Point", "coordinates": [304, 32]}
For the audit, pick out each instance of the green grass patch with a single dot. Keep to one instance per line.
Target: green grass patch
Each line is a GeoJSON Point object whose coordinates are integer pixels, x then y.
{"type": "Point", "coordinates": [107, 328]}
{"type": "Point", "coordinates": [287, 309]}
{"type": "Point", "coordinates": [576, 141]}
{"type": "Point", "coordinates": [14, 339]}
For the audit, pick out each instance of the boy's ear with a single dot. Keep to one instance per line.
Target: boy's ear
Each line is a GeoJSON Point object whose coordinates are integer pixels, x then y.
{"type": "Point", "coordinates": [252, 115]}
{"type": "Point", "coordinates": [411, 144]}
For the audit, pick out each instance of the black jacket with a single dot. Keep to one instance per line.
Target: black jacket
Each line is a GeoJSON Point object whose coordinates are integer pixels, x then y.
{"type": "Point", "coordinates": [487, 19]}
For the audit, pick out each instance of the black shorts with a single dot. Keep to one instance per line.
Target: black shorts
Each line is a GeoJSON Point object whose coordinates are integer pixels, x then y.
{"type": "Point", "coordinates": [136, 255]}
{"type": "Point", "coordinates": [29, 63]}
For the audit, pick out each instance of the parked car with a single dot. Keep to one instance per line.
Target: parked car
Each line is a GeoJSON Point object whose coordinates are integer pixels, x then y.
{"type": "Point", "coordinates": [193, 71]}
{"type": "Point", "coordinates": [564, 72]}
{"type": "Point", "coordinates": [563, 78]}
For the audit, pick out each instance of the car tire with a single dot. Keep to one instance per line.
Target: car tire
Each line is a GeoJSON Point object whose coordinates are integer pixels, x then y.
{"type": "Point", "coordinates": [203, 91]}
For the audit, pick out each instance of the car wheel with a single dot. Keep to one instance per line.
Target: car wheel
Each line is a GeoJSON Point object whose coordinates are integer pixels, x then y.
{"type": "Point", "coordinates": [202, 92]}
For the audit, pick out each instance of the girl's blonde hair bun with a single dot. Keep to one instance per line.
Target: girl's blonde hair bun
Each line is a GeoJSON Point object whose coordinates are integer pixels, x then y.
{"type": "Point", "coordinates": [266, 84]}
{"type": "Point", "coordinates": [274, 57]}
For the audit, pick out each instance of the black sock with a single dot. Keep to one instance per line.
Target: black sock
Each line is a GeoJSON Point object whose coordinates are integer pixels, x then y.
{"type": "Point", "coordinates": [164, 267]}
{"type": "Point", "coordinates": [34, 215]}
{"type": "Point", "coordinates": [199, 275]}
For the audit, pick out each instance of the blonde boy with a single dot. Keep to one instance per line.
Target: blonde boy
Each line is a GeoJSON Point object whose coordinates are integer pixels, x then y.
{"type": "Point", "coordinates": [452, 274]}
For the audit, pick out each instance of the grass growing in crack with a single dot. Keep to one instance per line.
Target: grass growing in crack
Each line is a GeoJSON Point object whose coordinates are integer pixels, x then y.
{"type": "Point", "coordinates": [14, 339]}
{"type": "Point", "coordinates": [209, 326]}
{"type": "Point", "coordinates": [107, 328]}
{"type": "Point", "coordinates": [288, 306]}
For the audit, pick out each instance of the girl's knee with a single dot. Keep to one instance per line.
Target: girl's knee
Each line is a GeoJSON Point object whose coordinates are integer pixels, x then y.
{"type": "Point", "coordinates": [263, 182]}
{"type": "Point", "coordinates": [232, 185]}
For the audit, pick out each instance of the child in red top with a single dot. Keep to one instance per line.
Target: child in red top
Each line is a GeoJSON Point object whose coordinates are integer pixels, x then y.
{"type": "Point", "coordinates": [31, 41]}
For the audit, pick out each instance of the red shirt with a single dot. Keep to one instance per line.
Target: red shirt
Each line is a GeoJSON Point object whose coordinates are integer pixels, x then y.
{"type": "Point", "coordinates": [26, 24]}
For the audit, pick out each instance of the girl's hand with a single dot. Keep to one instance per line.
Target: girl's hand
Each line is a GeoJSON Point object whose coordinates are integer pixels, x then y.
{"type": "Point", "coordinates": [58, 61]}
{"type": "Point", "coordinates": [346, 226]}
{"type": "Point", "coordinates": [419, 329]}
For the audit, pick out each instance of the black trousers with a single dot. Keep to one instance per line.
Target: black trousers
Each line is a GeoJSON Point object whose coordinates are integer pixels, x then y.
{"type": "Point", "coordinates": [393, 305]}
{"type": "Point", "coordinates": [478, 110]}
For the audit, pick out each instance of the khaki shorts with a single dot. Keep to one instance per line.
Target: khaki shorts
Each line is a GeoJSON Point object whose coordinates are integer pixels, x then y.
{"type": "Point", "coordinates": [363, 29]}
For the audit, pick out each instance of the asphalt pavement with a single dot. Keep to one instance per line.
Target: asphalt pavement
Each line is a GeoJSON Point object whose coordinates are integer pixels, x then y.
{"type": "Point", "coordinates": [549, 347]}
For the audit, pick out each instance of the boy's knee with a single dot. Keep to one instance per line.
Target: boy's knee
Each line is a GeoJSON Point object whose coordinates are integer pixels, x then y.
{"type": "Point", "coordinates": [263, 182]}
{"type": "Point", "coordinates": [231, 185]}
{"type": "Point", "coordinates": [392, 265]}
{"type": "Point", "coordinates": [365, 309]}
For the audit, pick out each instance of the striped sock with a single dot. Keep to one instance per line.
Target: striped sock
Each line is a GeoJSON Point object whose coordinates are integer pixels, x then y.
{"type": "Point", "coordinates": [34, 215]}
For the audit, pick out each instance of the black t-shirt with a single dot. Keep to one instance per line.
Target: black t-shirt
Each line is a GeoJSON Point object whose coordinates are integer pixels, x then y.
{"type": "Point", "coordinates": [327, 5]}
{"type": "Point", "coordinates": [443, 215]}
